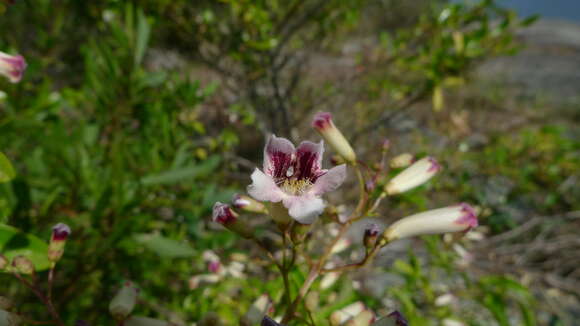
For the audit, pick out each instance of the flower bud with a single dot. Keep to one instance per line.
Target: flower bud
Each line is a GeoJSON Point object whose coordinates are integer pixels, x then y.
{"type": "Point", "coordinates": [124, 301]}
{"type": "Point", "coordinates": [9, 319]}
{"type": "Point", "coordinates": [323, 124]}
{"type": "Point", "coordinates": [258, 310]}
{"type": "Point", "coordinates": [12, 66]}
{"type": "Point", "coordinates": [413, 176]}
{"type": "Point", "coordinates": [23, 265]}
{"type": "Point", "coordinates": [144, 321]}
{"type": "Point", "coordinates": [386, 145]}
{"type": "Point", "coordinates": [455, 218]}
{"type": "Point", "coordinates": [364, 318]}
{"type": "Point", "coordinates": [395, 318]}
{"type": "Point", "coordinates": [3, 262]}
{"type": "Point", "coordinates": [248, 204]}
{"type": "Point", "coordinates": [224, 215]}
{"type": "Point", "coordinates": [371, 234]}
{"type": "Point", "coordinates": [401, 161]}
{"type": "Point", "coordinates": [343, 315]}
{"type": "Point", "coordinates": [60, 233]}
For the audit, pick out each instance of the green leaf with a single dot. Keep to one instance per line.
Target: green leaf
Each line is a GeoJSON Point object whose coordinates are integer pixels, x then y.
{"type": "Point", "coordinates": [14, 242]}
{"type": "Point", "coordinates": [182, 174]}
{"type": "Point", "coordinates": [6, 170]}
{"type": "Point", "coordinates": [143, 31]}
{"type": "Point", "coordinates": [165, 247]}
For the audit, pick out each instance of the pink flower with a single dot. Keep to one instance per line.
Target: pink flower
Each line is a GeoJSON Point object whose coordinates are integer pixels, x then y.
{"type": "Point", "coordinates": [294, 177]}
{"type": "Point", "coordinates": [12, 66]}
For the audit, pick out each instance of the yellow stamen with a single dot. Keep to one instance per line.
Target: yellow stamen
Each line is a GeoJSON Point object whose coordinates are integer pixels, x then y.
{"type": "Point", "coordinates": [296, 187]}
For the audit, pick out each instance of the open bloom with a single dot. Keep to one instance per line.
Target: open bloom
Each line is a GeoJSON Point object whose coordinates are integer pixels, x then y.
{"type": "Point", "coordinates": [12, 66]}
{"type": "Point", "coordinates": [455, 218]}
{"type": "Point", "coordinates": [294, 177]}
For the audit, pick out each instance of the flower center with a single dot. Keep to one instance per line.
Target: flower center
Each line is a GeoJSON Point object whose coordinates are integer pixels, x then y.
{"type": "Point", "coordinates": [296, 187]}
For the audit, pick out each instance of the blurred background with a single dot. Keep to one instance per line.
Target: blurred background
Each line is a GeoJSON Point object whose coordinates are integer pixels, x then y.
{"type": "Point", "coordinates": [134, 117]}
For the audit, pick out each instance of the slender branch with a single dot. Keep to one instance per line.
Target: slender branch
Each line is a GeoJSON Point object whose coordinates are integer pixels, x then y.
{"type": "Point", "coordinates": [49, 305]}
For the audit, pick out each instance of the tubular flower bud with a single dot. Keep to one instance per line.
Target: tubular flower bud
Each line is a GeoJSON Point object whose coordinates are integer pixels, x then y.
{"type": "Point", "coordinates": [413, 176]}
{"type": "Point", "coordinates": [365, 318]}
{"type": "Point", "coordinates": [457, 218]}
{"type": "Point", "coordinates": [248, 204]}
{"type": "Point", "coordinates": [258, 310]}
{"type": "Point", "coordinates": [401, 160]}
{"type": "Point", "coordinates": [3, 262]}
{"type": "Point", "coordinates": [12, 66]}
{"type": "Point", "coordinates": [144, 321]}
{"type": "Point", "coordinates": [9, 319]}
{"type": "Point", "coordinates": [323, 124]}
{"type": "Point", "coordinates": [371, 234]}
{"type": "Point", "coordinates": [224, 215]}
{"type": "Point", "coordinates": [339, 317]}
{"type": "Point", "coordinates": [395, 318]}
{"type": "Point", "coordinates": [23, 265]}
{"type": "Point", "coordinates": [124, 301]}
{"type": "Point", "coordinates": [60, 233]}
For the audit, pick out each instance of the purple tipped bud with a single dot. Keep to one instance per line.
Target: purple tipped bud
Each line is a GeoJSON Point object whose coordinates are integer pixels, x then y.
{"type": "Point", "coordinates": [322, 122]}
{"type": "Point", "coordinates": [60, 232]}
{"type": "Point", "coordinates": [457, 218]}
{"type": "Point", "coordinates": [224, 215]}
{"type": "Point", "coordinates": [248, 204]}
{"type": "Point", "coordinates": [372, 232]}
{"type": "Point", "coordinates": [386, 145]}
{"type": "Point", "coordinates": [12, 66]}
{"type": "Point", "coordinates": [398, 318]}
{"type": "Point", "coordinates": [23, 265]}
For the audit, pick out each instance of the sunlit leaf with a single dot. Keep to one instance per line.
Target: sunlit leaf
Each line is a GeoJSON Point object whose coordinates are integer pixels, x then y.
{"type": "Point", "coordinates": [7, 172]}
{"type": "Point", "coordinates": [14, 242]}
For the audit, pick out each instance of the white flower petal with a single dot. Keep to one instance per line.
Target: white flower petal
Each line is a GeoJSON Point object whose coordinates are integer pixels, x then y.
{"type": "Point", "coordinates": [304, 209]}
{"type": "Point", "coordinates": [329, 181]}
{"type": "Point", "coordinates": [278, 154]}
{"type": "Point", "coordinates": [263, 188]}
